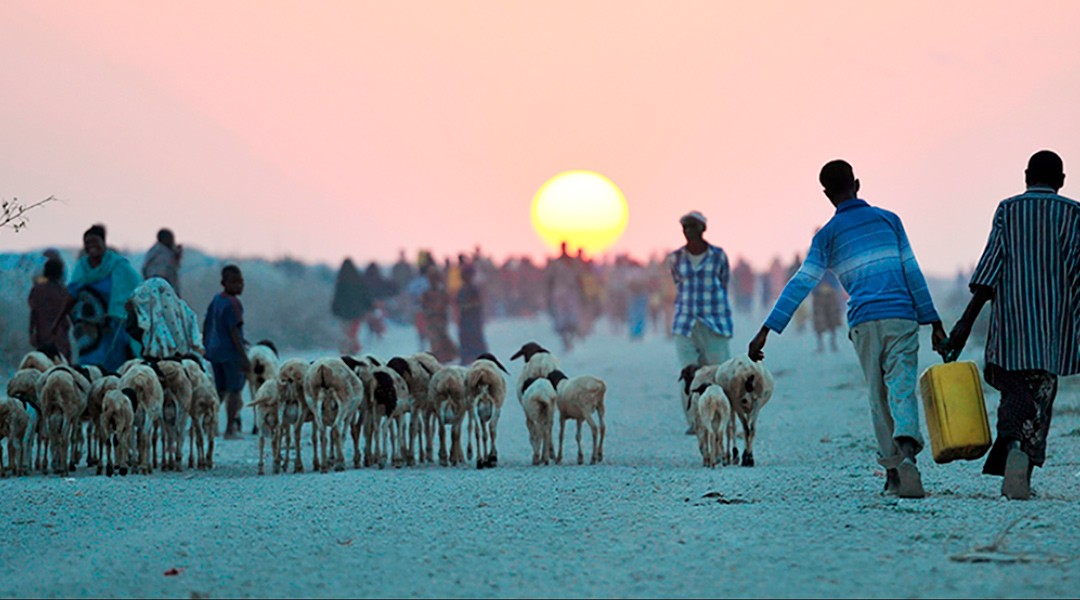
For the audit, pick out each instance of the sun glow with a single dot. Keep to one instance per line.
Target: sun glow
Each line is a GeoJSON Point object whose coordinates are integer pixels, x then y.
{"type": "Point", "coordinates": [582, 208]}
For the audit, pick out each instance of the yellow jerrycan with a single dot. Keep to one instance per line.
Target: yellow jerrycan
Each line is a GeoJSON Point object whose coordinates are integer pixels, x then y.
{"type": "Point", "coordinates": [955, 411]}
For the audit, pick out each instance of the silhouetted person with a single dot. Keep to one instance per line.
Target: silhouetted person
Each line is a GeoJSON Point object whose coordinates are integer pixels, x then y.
{"type": "Point", "coordinates": [47, 300]}
{"type": "Point", "coordinates": [470, 301]}
{"type": "Point", "coordinates": [1030, 271]}
{"type": "Point", "coordinates": [435, 304]}
{"type": "Point", "coordinates": [351, 303]}
{"type": "Point", "coordinates": [564, 294]}
{"type": "Point", "coordinates": [703, 326]}
{"type": "Point", "coordinates": [163, 259]}
{"type": "Point", "coordinates": [223, 332]}
{"type": "Point", "coordinates": [101, 284]}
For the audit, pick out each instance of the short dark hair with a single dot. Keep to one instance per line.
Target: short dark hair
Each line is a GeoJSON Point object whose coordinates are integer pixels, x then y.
{"type": "Point", "coordinates": [96, 229]}
{"type": "Point", "coordinates": [1044, 166]}
{"type": "Point", "coordinates": [837, 176]}
{"type": "Point", "coordinates": [229, 270]}
{"type": "Point", "coordinates": [165, 235]}
{"type": "Point", "coordinates": [54, 269]}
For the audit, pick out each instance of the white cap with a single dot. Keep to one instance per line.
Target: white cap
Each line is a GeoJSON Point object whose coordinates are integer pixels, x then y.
{"type": "Point", "coordinates": [696, 215]}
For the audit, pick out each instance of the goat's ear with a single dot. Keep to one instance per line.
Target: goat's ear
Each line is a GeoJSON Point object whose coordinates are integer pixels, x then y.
{"type": "Point", "coordinates": [750, 383]}
{"type": "Point", "coordinates": [400, 365]}
{"type": "Point", "coordinates": [517, 354]}
{"type": "Point", "coordinates": [497, 363]}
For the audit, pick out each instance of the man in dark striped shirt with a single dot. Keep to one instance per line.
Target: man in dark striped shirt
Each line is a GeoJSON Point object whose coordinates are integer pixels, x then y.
{"type": "Point", "coordinates": [1030, 270]}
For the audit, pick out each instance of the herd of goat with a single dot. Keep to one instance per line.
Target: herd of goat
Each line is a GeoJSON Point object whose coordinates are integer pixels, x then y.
{"type": "Point", "coordinates": [395, 408]}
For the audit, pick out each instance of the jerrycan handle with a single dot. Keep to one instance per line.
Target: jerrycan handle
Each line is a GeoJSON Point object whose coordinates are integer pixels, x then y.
{"type": "Point", "coordinates": [949, 355]}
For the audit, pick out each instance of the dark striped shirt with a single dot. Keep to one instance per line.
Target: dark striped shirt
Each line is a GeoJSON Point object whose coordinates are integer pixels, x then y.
{"type": "Point", "coordinates": [1032, 263]}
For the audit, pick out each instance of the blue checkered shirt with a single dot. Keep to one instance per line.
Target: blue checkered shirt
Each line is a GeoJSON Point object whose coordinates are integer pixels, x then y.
{"type": "Point", "coordinates": [702, 291]}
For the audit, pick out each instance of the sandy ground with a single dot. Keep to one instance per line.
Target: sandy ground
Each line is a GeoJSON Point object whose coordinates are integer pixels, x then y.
{"type": "Point", "coordinates": [808, 520]}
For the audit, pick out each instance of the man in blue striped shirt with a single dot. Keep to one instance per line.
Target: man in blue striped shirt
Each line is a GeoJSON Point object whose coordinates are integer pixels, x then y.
{"type": "Point", "coordinates": [1030, 270]}
{"type": "Point", "coordinates": [867, 249]}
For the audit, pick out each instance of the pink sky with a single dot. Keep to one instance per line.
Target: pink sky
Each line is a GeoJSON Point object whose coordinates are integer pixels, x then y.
{"type": "Point", "coordinates": [332, 129]}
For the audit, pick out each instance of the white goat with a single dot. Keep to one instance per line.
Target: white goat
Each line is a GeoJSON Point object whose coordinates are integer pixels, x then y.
{"type": "Point", "coordinates": [539, 402]}
{"type": "Point", "coordinates": [362, 425]}
{"type": "Point", "coordinates": [389, 407]}
{"type": "Point", "coordinates": [294, 411]}
{"type": "Point", "coordinates": [578, 398]}
{"type": "Point", "coordinates": [204, 408]}
{"type": "Point", "coordinates": [23, 387]}
{"type": "Point", "coordinates": [175, 412]}
{"type": "Point", "coordinates": [486, 389]}
{"type": "Point", "coordinates": [333, 394]}
{"type": "Point", "coordinates": [693, 376]}
{"type": "Point", "coordinates": [14, 421]}
{"type": "Point", "coordinates": [447, 393]}
{"type": "Point", "coordinates": [268, 419]}
{"type": "Point", "coordinates": [749, 386]}
{"type": "Point", "coordinates": [263, 357]}
{"type": "Point", "coordinates": [539, 362]}
{"type": "Point", "coordinates": [115, 430]}
{"type": "Point", "coordinates": [713, 415]}
{"type": "Point", "coordinates": [92, 416]}
{"type": "Point", "coordinates": [141, 385]}
{"type": "Point", "coordinates": [417, 370]}
{"type": "Point", "coordinates": [62, 391]}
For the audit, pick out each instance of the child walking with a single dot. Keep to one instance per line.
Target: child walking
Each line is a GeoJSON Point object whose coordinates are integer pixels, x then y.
{"type": "Point", "coordinates": [223, 331]}
{"type": "Point", "coordinates": [48, 299]}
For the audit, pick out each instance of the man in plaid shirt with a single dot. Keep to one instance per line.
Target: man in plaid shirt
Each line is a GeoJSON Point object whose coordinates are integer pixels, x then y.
{"type": "Point", "coordinates": [702, 324]}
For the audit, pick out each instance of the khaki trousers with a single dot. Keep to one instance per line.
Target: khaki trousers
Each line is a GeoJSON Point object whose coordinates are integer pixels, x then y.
{"type": "Point", "coordinates": [888, 351]}
{"type": "Point", "coordinates": [702, 347]}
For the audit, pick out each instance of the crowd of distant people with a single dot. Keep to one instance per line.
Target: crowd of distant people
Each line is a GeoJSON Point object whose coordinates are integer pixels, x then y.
{"type": "Point", "coordinates": [88, 314]}
{"type": "Point", "coordinates": [576, 292]}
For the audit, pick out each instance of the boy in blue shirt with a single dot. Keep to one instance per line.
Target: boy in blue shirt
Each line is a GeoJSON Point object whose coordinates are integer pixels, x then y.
{"type": "Point", "coordinates": [868, 250]}
{"type": "Point", "coordinates": [223, 332]}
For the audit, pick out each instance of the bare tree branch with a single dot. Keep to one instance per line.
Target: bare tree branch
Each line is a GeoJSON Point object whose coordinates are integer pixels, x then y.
{"type": "Point", "coordinates": [14, 213]}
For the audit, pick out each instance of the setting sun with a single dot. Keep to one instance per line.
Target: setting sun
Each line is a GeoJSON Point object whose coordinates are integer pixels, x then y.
{"type": "Point", "coordinates": [582, 208]}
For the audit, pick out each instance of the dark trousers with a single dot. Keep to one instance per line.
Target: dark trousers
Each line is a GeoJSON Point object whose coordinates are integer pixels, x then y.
{"type": "Point", "coordinates": [1027, 405]}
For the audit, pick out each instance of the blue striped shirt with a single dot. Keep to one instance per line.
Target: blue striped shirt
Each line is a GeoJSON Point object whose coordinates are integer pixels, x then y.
{"type": "Point", "coordinates": [702, 291]}
{"type": "Point", "coordinates": [1032, 263]}
{"type": "Point", "coordinates": [867, 249]}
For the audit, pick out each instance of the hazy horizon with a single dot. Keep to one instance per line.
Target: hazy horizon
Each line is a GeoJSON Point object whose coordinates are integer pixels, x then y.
{"type": "Point", "coordinates": [340, 129]}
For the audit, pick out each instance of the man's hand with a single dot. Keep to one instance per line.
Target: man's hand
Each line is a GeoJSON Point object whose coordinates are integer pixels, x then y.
{"type": "Point", "coordinates": [950, 347]}
{"type": "Point", "coordinates": [938, 337]}
{"type": "Point", "coordinates": [245, 364]}
{"type": "Point", "coordinates": [758, 344]}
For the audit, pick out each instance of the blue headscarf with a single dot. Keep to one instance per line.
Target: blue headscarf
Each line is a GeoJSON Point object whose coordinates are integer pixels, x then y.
{"type": "Point", "coordinates": [124, 279]}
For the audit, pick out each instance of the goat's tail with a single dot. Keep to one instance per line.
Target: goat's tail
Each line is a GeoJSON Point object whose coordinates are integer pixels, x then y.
{"type": "Point", "coordinates": [485, 409]}
{"type": "Point", "coordinates": [543, 409]}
